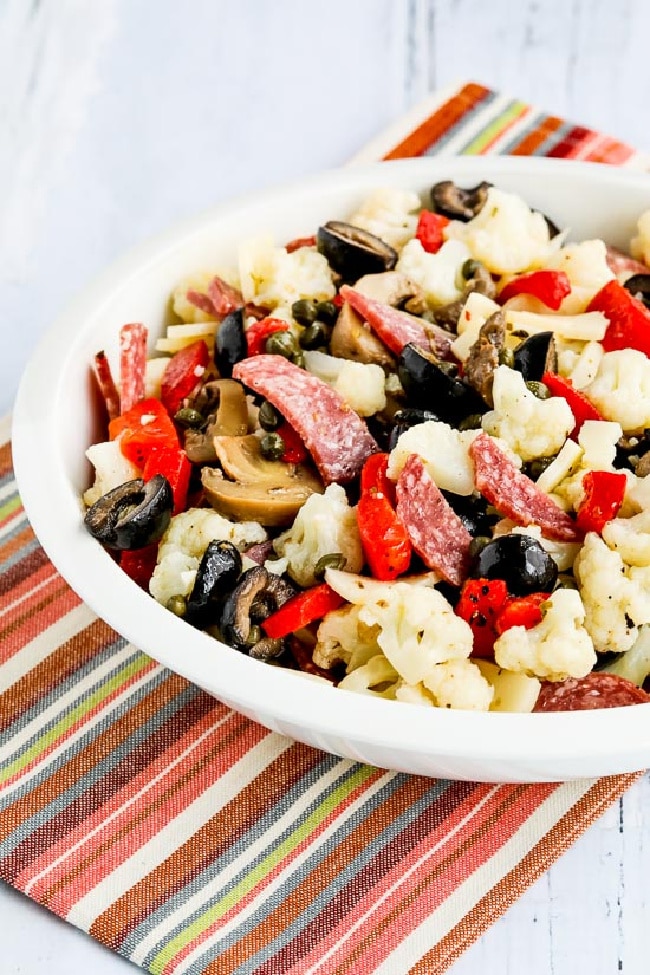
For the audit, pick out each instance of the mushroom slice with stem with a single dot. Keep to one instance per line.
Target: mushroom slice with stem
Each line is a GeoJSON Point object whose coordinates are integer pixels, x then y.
{"type": "Point", "coordinates": [457, 203]}
{"type": "Point", "coordinates": [352, 339]}
{"type": "Point", "coordinates": [224, 400]}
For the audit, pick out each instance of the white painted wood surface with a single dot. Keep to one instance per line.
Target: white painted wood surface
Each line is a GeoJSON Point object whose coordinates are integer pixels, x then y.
{"type": "Point", "coordinates": [118, 116]}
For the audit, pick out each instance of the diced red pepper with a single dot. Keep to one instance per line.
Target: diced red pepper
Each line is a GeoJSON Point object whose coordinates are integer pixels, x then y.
{"type": "Point", "coordinates": [299, 242]}
{"type": "Point", "coordinates": [139, 564]}
{"type": "Point", "coordinates": [145, 426]}
{"type": "Point", "coordinates": [581, 407]}
{"type": "Point", "coordinates": [521, 611]}
{"type": "Point", "coordinates": [374, 479]}
{"type": "Point", "coordinates": [172, 463]}
{"type": "Point", "coordinates": [258, 333]}
{"type": "Point", "coordinates": [604, 493]}
{"type": "Point", "coordinates": [294, 449]}
{"type": "Point", "coordinates": [429, 230]}
{"type": "Point", "coordinates": [481, 601]}
{"type": "Point", "coordinates": [338, 300]}
{"type": "Point", "coordinates": [384, 538]}
{"type": "Point", "coordinates": [301, 610]}
{"type": "Point", "coordinates": [550, 287]}
{"type": "Point", "coordinates": [182, 374]}
{"type": "Point", "coordinates": [629, 319]}
{"type": "Point", "coordinates": [133, 364]}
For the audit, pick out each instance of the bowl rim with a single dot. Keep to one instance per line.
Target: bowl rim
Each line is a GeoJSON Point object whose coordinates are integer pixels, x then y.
{"type": "Point", "coordinates": [285, 698]}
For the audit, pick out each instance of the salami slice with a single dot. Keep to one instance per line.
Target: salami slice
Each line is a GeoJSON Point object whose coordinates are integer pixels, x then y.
{"type": "Point", "coordinates": [224, 297]}
{"type": "Point", "coordinates": [199, 300]}
{"type": "Point", "coordinates": [298, 242]}
{"type": "Point", "coordinates": [133, 364]}
{"type": "Point", "coordinates": [514, 495]}
{"type": "Point", "coordinates": [107, 387]}
{"type": "Point", "coordinates": [395, 328]}
{"type": "Point", "coordinates": [437, 534]}
{"type": "Point", "coordinates": [336, 437]}
{"type": "Point", "coordinates": [596, 690]}
{"type": "Point", "coordinates": [624, 266]}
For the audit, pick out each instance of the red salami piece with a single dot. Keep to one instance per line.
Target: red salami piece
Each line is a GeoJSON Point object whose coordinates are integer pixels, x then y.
{"type": "Point", "coordinates": [336, 437]}
{"type": "Point", "coordinates": [624, 266]}
{"type": "Point", "coordinates": [107, 387]}
{"type": "Point", "coordinates": [596, 690]}
{"type": "Point", "coordinates": [224, 297]}
{"type": "Point", "coordinates": [514, 495]}
{"type": "Point", "coordinates": [133, 363]}
{"type": "Point", "coordinates": [395, 328]}
{"type": "Point", "coordinates": [437, 534]}
{"type": "Point", "coordinates": [199, 300]}
{"type": "Point", "coordinates": [298, 242]}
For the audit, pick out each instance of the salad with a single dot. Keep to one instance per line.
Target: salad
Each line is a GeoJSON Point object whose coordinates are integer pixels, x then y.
{"type": "Point", "coordinates": [407, 455]}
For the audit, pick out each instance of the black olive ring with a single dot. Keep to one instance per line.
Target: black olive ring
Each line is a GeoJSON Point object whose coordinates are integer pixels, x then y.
{"type": "Point", "coordinates": [133, 515]}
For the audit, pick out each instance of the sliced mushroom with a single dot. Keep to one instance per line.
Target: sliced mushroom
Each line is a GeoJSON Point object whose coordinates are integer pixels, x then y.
{"type": "Point", "coordinates": [392, 288]}
{"type": "Point", "coordinates": [457, 203]}
{"type": "Point", "coordinates": [352, 339]}
{"type": "Point", "coordinates": [224, 401]}
{"type": "Point", "coordinates": [484, 355]}
{"type": "Point", "coordinates": [258, 594]}
{"type": "Point", "coordinates": [352, 251]}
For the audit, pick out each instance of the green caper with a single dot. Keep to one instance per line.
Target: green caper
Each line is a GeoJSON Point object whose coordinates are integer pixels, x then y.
{"type": "Point", "coordinates": [471, 422]}
{"type": "Point", "coordinates": [254, 635]}
{"type": "Point", "coordinates": [314, 336]}
{"type": "Point", "coordinates": [188, 418]}
{"type": "Point", "coordinates": [477, 545]}
{"type": "Point", "coordinates": [268, 416]}
{"type": "Point", "coordinates": [540, 390]}
{"type": "Point", "coordinates": [281, 343]}
{"type": "Point", "coordinates": [335, 560]}
{"type": "Point", "coordinates": [507, 358]}
{"type": "Point", "coordinates": [327, 312]}
{"type": "Point", "coordinates": [305, 310]}
{"type": "Point", "coordinates": [448, 368]}
{"type": "Point", "coordinates": [470, 268]}
{"type": "Point", "coordinates": [272, 446]}
{"type": "Point", "coordinates": [535, 468]}
{"type": "Point", "coordinates": [298, 359]}
{"type": "Point", "coordinates": [177, 605]}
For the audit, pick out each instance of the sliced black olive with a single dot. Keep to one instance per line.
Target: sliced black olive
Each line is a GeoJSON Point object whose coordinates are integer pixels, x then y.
{"type": "Point", "coordinates": [639, 286]}
{"type": "Point", "coordinates": [632, 449]}
{"type": "Point", "coordinates": [405, 419]}
{"type": "Point", "coordinates": [257, 594]}
{"type": "Point", "coordinates": [472, 510]}
{"type": "Point", "coordinates": [456, 203]}
{"type": "Point", "coordinates": [230, 343]}
{"type": "Point", "coordinates": [353, 252]}
{"type": "Point", "coordinates": [133, 515]}
{"type": "Point", "coordinates": [535, 356]}
{"type": "Point", "coordinates": [218, 572]}
{"type": "Point", "coordinates": [553, 229]}
{"type": "Point", "coordinates": [430, 386]}
{"type": "Point", "coordinates": [520, 561]}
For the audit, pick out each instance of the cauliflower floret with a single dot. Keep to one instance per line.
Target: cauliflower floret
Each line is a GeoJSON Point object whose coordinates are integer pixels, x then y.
{"type": "Point", "coordinates": [111, 469]}
{"type": "Point", "coordinates": [343, 638]}
{"type": "Point", "coordinates": [186, 311]}
{"type": "Point", "coordinates": [584, 366]}
{"type": "Point", "coordinates": [585, 265]}
{"type": "Point", "coordinates": [326, 524]}
{"type": "Point", "coordinates": [557, 648]}
{"type": "Point", "coordinates": [438, 275]}
{"type": "Point", "coordinates": [630, 537]}
{"type": "Point", "coordinates": [615, 604]}
{"type": "Point", "coordinates": [376, 677]}
{"type": "Point", "coordinates": [618, 373]}
{"type": "Point", "coordinates": [362, 385]}
{"type": "Point", "coordinates": [640, 245]}
{"type": "Point", "coordinates": [506, 235]}
{"type": "Point", "coordinates": [444, 452]}
{"type": "Point", "coordinates": [532, 427]}
{"type": "Point", "coordinates": [512, 692]}
{"type": "Point", "coordinates": [271, 277]}
{"type": "Point", "coordinates": [597, 440]}
{"type": "Point", "coordinates": [476, 311]}
{"type": "Point", "coordinates": [459, 684]}
{"type": "Point", "coordinates": [389, 213]}
{"type": "Point", "coordinates": [183, 544]}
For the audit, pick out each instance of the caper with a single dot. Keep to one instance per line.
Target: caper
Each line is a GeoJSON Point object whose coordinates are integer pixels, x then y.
{"type": "Point", "coordinates": [272, 446]}
{"type": "Point", "coordinates": [477, 545]}
{"type": "Point", "coordinates": [535, 468]}
{"type": "Point", "coordinates": [540, 390]}
{"type": "Point", "coordinates": [177, 605]}
{"type": "Point", "coordinates": [281, 343]}
{"type": "Point", "coordinates": [507, 358]}
{"type": "Point", "coordinates": [327, 312]}
{"type": "Point", "coordinates": [335, 560]}
{"type": "Point", "coordinates": [268, 416]}
{"type": "Point", "coordinates": [305, 310]}
{"type": "Point", "coordinates": [314, 336]}
{"type": "Point", "coordinates": [188, 418]}
{"type": "Point", "coordinates": [471, 422]}
{"type": "Point", "coordinates": [298, 359]}
{"type": "Point", "coordinates": [470, 268]}
{"type": "Point", "coordinates": [254, 635]}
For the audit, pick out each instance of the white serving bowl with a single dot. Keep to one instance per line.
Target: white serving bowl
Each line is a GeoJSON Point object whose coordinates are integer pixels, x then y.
{"type": "Point", "coordinates": [54, 423]}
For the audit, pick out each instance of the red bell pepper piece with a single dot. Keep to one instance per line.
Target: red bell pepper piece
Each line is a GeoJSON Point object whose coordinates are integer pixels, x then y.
{"type": "Point", "coordinates": [172, 463]}
{"type": "Point", "coordinates": [481, 601]}
{"type": "Point", "coordinates": [604, 493]}
{"type": "Point", "coordinates": [550, 287]}
{"type": "Point", "coordinates": [258, 333]}
{"type": "Point", "coordinates": [145, 426]}
{"type": "Point", "coordinates": [298, 242]}
{"type": "Point", "coordinates": [182, 374]}
{"type": "Point", "coordinates": [581, 407]}
{"type": "Point", "coordinates": [374, 479]}
{"type": "Point", "coordinates": [521, 611]}
{"type": "Point", "coordinates": [429, 230]}
{"type": "Point", "coordinates": [384, 539]}
{"type": "Point", "coordinates": [629, 319]}
{"type": "Point", "coordinates": [301, 610]}
{"type": "Point", "coordinates": [139, 564]}
{"type": "Point", "coordinates": [294, 449]}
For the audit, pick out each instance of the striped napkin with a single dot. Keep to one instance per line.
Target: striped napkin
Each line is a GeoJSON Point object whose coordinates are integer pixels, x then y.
{"type": "Point", "coordinates": [190, 839]}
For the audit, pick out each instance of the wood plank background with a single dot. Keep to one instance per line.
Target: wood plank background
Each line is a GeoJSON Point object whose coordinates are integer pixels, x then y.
{"type": "Point", "coordinates": [119, 116]}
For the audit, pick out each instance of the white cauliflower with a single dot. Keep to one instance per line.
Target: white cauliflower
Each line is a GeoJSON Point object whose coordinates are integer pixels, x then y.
{"type": "Point", "coordinates": [557, 648]}
{"type": "Point", "coordinates": [634, 664]}
{"type": "Point", "coordinates": [111, 469]}
{"type": "Point", "coordinates": [459, 684]}
{"type": "Point", "coordinates": [343, 638]}
{"type": "Point", "coordinates": [438, 275]}
{"type": "Point", "coordinates": [532, 427]}
{"type": "Point", "coordinates": [597, 441]}
{"type": "Point", "coordinates": [325, 525]}
{"type": "Point", "coordinates": [362, 385]}
{"type": "Point", "coordinates": [640, 245]}
{"type": "Point", "coordinates": [183, 544]}
{"type": "Point", "coordinates": [389, 213]}
{"type": "Point", "coordinates": [584, 365]}
{"type": "Point", "coordinates": [615, 604]}
{"type": "Point", "coordinates": [444, 452]}
{"type": "Point", "coordinates": [585, 265]}
{"type": "Point", "coordinates": [630, 537]}
{"type": "Point", "coordinates": [506, 235]}
{"type": "Point", "coordinates": [376, 677]}
{"type": "Point", "coordinates": [271, 277]}
{"type": "Point", "coordinates": [476, 311]}
{"type": "Point", "coordinates": [199, 281]}
{"type": "Point", "coordinates": [619, 373]}
{"type": "Point", "coordinates": [512, 692]}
